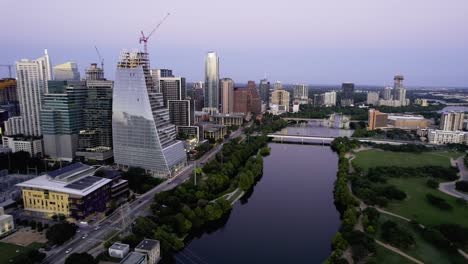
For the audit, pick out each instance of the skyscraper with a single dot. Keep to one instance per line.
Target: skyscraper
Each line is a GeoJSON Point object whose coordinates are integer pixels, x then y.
{"type": "Point", "coordinates": [247, 100]}
{"type": "Point", "coordinates": [347, 97]}
{"type": "Point", "coordinates": [399, 91]}
{"type": "Point", "coordinates": [141, 130]}
{"type": "Point", "coordinates": [172, 88]}
{"type": "Point", "coordinates": [278, 86]}
{"type": "Point", "coordinates": [329, 99]}
{"type": "Point", "coordinates": [181, 112]}
{"type": "Point", "coordinates": [212, 80]}
{"type": "Point", "coordinates": [95, 139]}
{"type": "Point", "coordinates": [372, 98]}
{"type": "Point", "coordinates": [387, 93]}
{"type": "Point", "coordinates": [227, 95]}
{"type": "Point", "coordinates": [62, 118]}
{"type": "Point", "coordinates": [264, 88]}
{"type": "Point", "coordinates": [280, 99]}
{"type": "Point", "coordinates": [67, 72]}
{"type": "Point", "coordinates": [301, 92]}
{"type": "Point", "coordinates": [32, 84]}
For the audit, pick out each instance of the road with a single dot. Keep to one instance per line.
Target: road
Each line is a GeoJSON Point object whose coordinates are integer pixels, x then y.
{"type": "Point", "coordinates": [114, 223]}
{"type": "Point", "coordinates": [449, 187]}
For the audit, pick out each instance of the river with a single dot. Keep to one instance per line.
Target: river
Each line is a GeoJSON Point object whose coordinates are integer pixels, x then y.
{"type": "Point", "coordinates": [288, 218]}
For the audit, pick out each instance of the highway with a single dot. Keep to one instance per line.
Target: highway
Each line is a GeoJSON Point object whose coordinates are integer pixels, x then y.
{"type": "Point", "coordinates": [96, 233]}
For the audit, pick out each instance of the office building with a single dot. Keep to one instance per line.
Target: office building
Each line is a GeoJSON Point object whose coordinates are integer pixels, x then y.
{"type": "Point", "coordinates": [452, 121]}
{"type": "Point", "coordinates": [212, 80]}
{"type": "Point", "coordinates": [95, 137]}
{"type": "Point", "coordinates": [66, 72]}
{"type": "Point", "coordinates": [408, 122]}
{"type": "Point", "coordinates": [329, 99]}
{"type": "Point", "coordinates": [444, 137]}
{"type": "Point", "coordinates": [421, 102]}
{"type": "Point", "coordinates": [9, 96]}
{"type": "Point", "coordinates": [387, 93]}
{"type": "Point", "coordinates": [29, 144]}
{"type": "Point", "coordinates": [214, 131]}
{"type": "Point", "coordinates": [227, 95]}
{"type": "Point", "coordinates": [301, 94]}
{"type": "Point", "coordinates": [233, 119]}
{"type": "Point", "coordinates": [277, 86]}
{"type": "Point", "coordinates": [118, 250]}
{"type": "Point", "coordinates": [141, 130]}
{"type": "Point", "coordinates": [151, 248]}
{"type": "Point", "coordinates": [31, 86]}
{"type": "Point", "coordinates": [376, 120]}
{"type": "Point", "coordinates": [247, 100]}
{"type": "Point", "coordinates": [280, 98]}
{"type": "Point", "coordinates": [347, 95]}
{"type": "Point", "coordinates": [62, 118]}
{"type": "Point", "coordinates": [71, 191]}
{"type": "Point", "coordinates": [318, 99]}
{"type": "Point", "coordinates": [157, 74]}
{"type": "Point", "coordinates": [7, 224]}
{"type": "Point", "coordinates": [181, 112]}
{"type": "Point", "coordinates": [373, 98]}
{"type": "Point", "coordinates": [264, 88]}
{"type": "Point", "coordinates": [198, 98]}
{"type": "Point", "coordinates": [190, 132]}
{"type": "Point", "coordinates": [172, 88]}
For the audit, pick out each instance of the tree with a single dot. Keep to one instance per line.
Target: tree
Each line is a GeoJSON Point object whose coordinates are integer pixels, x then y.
{"type": "Point", "coordinates": [32, 256]}
{"type": "Point", "coordinates": [432, 184]}
{"type": "Point", "coordinates": [462, 186]}
{"type": "Point", "coordinates": [80, 258]}
{"type": "Point", "coordinates": [339, 243]}
{"type": "Point", "coordinates": [61, 232]}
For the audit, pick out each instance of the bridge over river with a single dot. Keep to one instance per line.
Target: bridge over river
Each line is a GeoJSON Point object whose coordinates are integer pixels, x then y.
{"type": "Point", "coordinates": [327, 140]}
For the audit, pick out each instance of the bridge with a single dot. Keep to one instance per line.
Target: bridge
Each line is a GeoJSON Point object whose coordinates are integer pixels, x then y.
{"type": "Point", "coordinates": [327, 140]}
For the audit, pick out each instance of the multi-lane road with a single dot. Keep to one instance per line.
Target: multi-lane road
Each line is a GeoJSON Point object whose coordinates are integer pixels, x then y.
{"type": "Point", "coordinates": [91, 236]}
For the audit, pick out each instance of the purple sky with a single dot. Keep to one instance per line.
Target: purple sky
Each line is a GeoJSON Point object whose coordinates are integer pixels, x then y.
{"type": "Point", "coordinates": [309, 41]}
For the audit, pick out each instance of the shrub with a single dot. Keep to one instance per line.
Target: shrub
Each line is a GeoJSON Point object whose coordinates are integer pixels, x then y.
{"type": "Point", "coordinates": [438, 202]}
{"type": "Point", "coordinates": [396, 236]}
{"type": "Point", "coordinates": [462, 186]}
{"type": "Point", "coordinates": [432, 184]}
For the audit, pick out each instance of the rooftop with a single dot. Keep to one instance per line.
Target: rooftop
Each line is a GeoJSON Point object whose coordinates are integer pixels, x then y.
{"type": "Point", "coordinates": [119, 246]}
{"type": "Point", "coordinates": [133, 257]}
{"type": "Point", "coordinates": [147, 244]}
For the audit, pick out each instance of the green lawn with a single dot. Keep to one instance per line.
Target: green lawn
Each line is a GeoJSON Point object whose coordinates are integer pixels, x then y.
{"type": "Point", "coordinates": [417, 208]}
{"type": "Point", "coordinates": [8, 251]}
{"type": "Point", "coordinates": [373, 158]}
{"type": "Point", "coordinates": [422, 250]}
{"type": "Point", "coordinates": [383, 255]}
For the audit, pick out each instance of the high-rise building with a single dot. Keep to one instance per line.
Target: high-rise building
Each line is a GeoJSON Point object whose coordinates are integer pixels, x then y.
{"type": "Point", "coordinates": [94, 73]}
{"type": "Point", "coordinates": [157, 74]}
{"type": "Point", "coordinates": [278, 86]}
{"type": "Point", "coordinates": [280, 99]}
{"type": "Point", "coordinates": [212, 80]}
{"type": "Point", "coordinates": [172, 88]}
{"type": "Point", "coordinates": [9, 97]}
{"type": "Point", "coordinates": [347, 96]}
{"type": "Point", "coordinates": [247, 100]}
{"type": "Point", "coordinates": [387, 93]}
{"type": "Point", "coordinates": [62, 118]}
{"type": "Point", "coordinates": [329, 99]}
{"type": "Point", "coordinates": [32, 84]}
{"type": "Point", "coordinates": [377, 119]}
{"type": "Point", "coordinates": [198, 98]}
{"type": "Point", "coordinates": [95, 139]}
{"type": "Point", "coordinates": [67, 72]}
{"type": "Point", "coordinates": [372, 98]}
{"type": "Point", "coordinates": [227, 95]}
{"type": "Point", "coordinates": [141, 130]}
{"type": "Point", "coordinates": [181, 112]}
{"type": "Point", "coordinates": [399, 91]}
{"type": "Point", "coordinates": [264, 88]}
{"type": "Point", "coordinates": [301, 92]}
{"type": "Point", "coordinates": [452, 121]}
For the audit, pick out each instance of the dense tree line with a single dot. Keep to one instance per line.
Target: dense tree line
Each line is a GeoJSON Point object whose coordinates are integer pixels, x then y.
{"type": "Point", "coordinates": [32, 256]}
{"type": "Point", "coordinates": [268, 124]}
{"type": "Point", "coordinates": [61, 232]}
{"type": "Point", "coordinates": [80, 258]}
{"type": "Point", "coordinates": [391, 134]}
{"type": "Point", "coordinates": [139, 181]}
{"type": "Point", "coordinates": [396, 235]}
{"type": "Point", "coordinates": [412, 148]}
{"type": "Point", "coordinates": [462, 186]}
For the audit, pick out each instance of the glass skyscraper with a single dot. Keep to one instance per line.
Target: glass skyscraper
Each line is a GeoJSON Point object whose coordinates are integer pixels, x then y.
{"type": "Point", "coordinates": [141, 130]}
{"type": "Point", "coordinates": [212, 80]}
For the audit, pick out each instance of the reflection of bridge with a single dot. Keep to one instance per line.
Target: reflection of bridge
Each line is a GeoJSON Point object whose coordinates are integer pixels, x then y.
{"type": "Point", "coordinates": [335, 121]}
{"type": "Point", "coordinates": [327, 140]}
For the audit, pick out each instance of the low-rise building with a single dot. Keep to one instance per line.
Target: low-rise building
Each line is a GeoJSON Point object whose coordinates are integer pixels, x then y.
{"type": "Point", "coordinates": [421, 102]}
{"type": "Point", "coordinates": [7, 225]}
{"type": "Point", "coordinates": [151, 248]}
{"type": "Point", "coordinates": [72, 191]}
{"type": "Point", "coordinates": [32, 145]}
{"type": "Point", "coordinates": [135, 258]}
{"type": "Point", "coordinates": [446, 137]}
{"type": "Point", "coordinates": [233, 119]}
{"type": "Point", "coordinates": [411, 122]}
{"type": "Point", "coordinates": [214, 131]}
{"type": "Point", "coordinates": [119, 250]}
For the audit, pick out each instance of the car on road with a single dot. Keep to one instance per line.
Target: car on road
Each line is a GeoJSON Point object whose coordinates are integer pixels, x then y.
{"type": "Point", "coordinates": [97, 228]}
{"type": "Point", "coordinates": [84, 236]}
{"type": "Point", "coordinates": [68, 250]}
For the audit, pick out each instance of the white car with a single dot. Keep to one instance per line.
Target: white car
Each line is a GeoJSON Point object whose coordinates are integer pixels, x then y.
{"type": "Point", "coordinates": [84, 236]}
{"type": "Point", "coordinates": [97, 228]}
{"type": "Point", "coordinates": [68, 250]}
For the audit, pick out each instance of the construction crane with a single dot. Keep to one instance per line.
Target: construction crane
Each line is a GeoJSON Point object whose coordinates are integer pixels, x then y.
{"type": "Point", "coordinates": [9, 68]}
{"type": "Point", "coordinates": [100, 58]}
{"type": "Point", "coordinates": [144, 38]}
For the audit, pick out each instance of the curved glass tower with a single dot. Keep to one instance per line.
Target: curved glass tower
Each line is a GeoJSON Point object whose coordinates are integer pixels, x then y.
{"type": "Point", "coordinates": [212, 80]}
{"type": "Point", "coordinates": [141, 132]}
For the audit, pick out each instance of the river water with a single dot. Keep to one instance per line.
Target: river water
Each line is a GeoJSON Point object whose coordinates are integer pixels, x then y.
{"type": "Point", "coordinates": [288, 218]}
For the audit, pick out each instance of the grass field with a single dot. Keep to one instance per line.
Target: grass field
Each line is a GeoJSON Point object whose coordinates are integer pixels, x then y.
{"type": "Point", "coordinates": [383, 255]}
{"type": "Point", "coordinates": [373, 158]}
{"type": "Point", "coordinates": [8, 252]}
{"type": "Point", "coordinates": [417, 208]}
{"type": "Point", "coordinates": [422, 250]}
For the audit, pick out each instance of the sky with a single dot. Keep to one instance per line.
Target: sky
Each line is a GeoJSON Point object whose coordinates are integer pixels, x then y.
{"type": "Point", "coordinates": [294, 41]}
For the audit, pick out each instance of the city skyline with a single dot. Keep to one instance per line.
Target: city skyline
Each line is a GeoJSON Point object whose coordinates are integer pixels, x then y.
{"type": "Point", "coordinates": [331, 51]}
